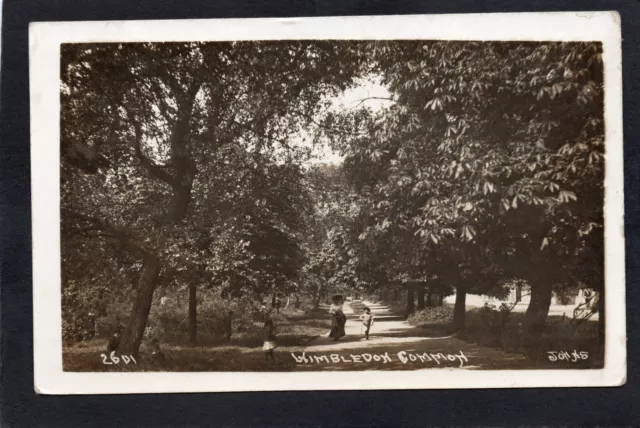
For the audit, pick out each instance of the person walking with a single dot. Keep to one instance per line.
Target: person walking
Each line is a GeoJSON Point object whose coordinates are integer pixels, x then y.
{"type": "Point", "coordinates": [367, 321]}
{"type": "Point", "coordinates": [338, 319]}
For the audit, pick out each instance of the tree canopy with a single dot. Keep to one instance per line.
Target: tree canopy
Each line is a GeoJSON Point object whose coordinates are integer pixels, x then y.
{"type": "Point", "coordinates": [182, 165]}
{"type": "Point", "coordinates": [159, 127]}
{"type": "Point", "coordinates": [494, 144]}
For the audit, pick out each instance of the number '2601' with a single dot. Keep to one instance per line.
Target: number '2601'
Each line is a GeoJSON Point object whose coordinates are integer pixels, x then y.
{"type": "Point", "coordinates": [115, 359]}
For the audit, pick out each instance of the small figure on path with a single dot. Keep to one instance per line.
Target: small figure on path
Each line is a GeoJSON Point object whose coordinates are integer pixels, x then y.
{"type": "Point", "coordinates": [228, 326]}
{"type": "Point", "coordinates": [269, 339]}
{"type": "Point", "coordinates": [367, 321]}
{"type": "Point", "coordinates": [114, 341]}
{"type": "Point", "coordinates": [156, 352]}
{"type": "Point", "coordinates": [338, 319]}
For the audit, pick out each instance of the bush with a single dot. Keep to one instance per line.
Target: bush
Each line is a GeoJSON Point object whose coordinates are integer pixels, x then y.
{"type": "Point", "coordinates": [168, 322]}
{"type": "Point", "coordinates": [77, 328]}
{"type": "Point", "coordinates": [432, 315]}
{"type": "Point", "coordinates": [80, 323]}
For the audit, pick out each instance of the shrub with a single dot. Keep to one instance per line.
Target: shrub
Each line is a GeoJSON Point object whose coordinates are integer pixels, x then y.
{"type": "Point", "coordinates": [168, 322]}
{"type": "Point", "coordinates": [500, 327]}
{"type": "Point", "coordinates": [81, 323]}
{"type": "Point", "coordinates": [432, 315]}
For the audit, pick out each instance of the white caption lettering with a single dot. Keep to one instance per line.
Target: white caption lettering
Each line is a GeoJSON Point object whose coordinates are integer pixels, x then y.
{"type": "Point", "coordinates": [114, 359]}
{"type": "Point", "coordinates": [572, 357]}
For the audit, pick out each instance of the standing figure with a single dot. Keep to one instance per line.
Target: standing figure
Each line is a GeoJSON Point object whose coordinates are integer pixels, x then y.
{"type": "Point", "coordinates": [338, 319]}
{"type": "Point", "coordinates": [156, 351]}
{"type": "Point", "coordinates": [367, 321]}
{"type": "Point", "coordinates": [114, 341]}
{"type": "Point", "coordinates": [269, 339]}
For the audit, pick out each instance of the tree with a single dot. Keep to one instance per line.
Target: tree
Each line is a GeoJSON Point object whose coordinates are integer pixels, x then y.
{"type": "Point", "coordinates": [480, 132]}
{"type": "Point", "coordinates": [330, 263]}
{"type": "Point", "coordinates": [148, 120]}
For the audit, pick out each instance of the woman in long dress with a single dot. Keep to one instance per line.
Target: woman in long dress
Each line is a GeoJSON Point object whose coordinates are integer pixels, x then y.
{"type": "Point", "coordinates": [338, 319]}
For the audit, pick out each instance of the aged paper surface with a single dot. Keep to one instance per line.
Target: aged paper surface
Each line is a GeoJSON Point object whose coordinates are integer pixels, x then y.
{"type": "Point", "coordinates": [328, 203]}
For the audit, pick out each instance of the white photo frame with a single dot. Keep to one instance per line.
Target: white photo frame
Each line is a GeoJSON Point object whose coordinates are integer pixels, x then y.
{"type": "Point", "coordinates": [45, 39]}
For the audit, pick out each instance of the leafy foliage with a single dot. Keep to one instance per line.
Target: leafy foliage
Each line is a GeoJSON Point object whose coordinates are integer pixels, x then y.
{"type": "Point", "coordinates": [180, 167]}
{"type": "Point", "coordinates": [492, 154]}
{"type": "Point", "coordinates": [180, 153]}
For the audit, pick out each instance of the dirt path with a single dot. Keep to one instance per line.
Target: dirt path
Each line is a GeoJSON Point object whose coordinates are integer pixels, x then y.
{"type": "Point", "coordinates": [396, 345]}
{"type": "Point", "coordinates": [388, 328]}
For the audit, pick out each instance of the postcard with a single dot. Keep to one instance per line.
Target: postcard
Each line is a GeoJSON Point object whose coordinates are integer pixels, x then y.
{"type": "Point", "coordinates": [340, 203]}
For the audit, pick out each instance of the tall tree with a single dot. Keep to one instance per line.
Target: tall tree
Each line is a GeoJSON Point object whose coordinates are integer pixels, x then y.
{"type": "Point", "coordinates": [480, 132]}
{"type": "Point", "coordinates": [149, 119]}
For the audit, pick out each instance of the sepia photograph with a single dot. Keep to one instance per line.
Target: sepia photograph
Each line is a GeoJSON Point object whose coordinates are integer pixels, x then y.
{"type": "Point", "coordinates": [339, 205]}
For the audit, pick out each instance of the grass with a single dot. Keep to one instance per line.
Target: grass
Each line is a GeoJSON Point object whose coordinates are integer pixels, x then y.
{"type": "Point", "coordinates": [486, 350]}
{"type": "Point", "coordinates": [558, 335]}
{"type": "Point", "coordinates": [295, 328]}
{"type": "Point", "coordinates": [177, 358]}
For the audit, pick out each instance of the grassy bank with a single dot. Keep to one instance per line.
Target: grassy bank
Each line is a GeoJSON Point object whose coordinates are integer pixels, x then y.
{"type": "Point", "coordinates": [295, 328]}
{"type": "Point", "coordinates": [485, 327]}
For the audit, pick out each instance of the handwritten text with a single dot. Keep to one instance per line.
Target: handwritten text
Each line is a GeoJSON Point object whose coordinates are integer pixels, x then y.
{"type": "Point", "coordinates": [567, 356]}
{"type": "Point", "coordinates": [403, 357]}
{"type": "Point", "coordinates": [117, 359]}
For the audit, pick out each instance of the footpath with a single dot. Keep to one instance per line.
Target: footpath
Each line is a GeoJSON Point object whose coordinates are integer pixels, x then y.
{"type": "Point", "coordinates": [394, 344]}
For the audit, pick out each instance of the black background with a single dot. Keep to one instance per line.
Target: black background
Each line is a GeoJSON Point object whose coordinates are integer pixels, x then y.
{"type": "Point", "coordinates": [21, 407]}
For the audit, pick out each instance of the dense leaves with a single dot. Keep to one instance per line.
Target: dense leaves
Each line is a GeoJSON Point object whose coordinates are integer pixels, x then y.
{"type": "Point", "coordinates": [182, 164]}
{"type": "Point", "coordinates": [172, 150]}
{"type": "Point", "coordinates": [497, 146]}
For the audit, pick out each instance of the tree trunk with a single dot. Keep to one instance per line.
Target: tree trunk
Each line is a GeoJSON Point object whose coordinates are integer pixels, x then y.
{"type": "Point", "coordinates": [316, 300]}
{"type": "Point", "coordinates": [134, 331]}
{"type": "Point", "coordinates": [193, 317]}
{"type": "Point", "coordinates": [420, 297]}
{"type": "Point", "coordinates": [441, 298]}
{"type": "Point", "coordinates": [297, 304]}
{"type": "Point", "coordinates": [181, 183]}
{"type": "Point", "coordinates": [460, 311]}
{"type": "Point", "coordinates": [538, 309]}
{"type": "Point", "coordinates": [410, 299]}
{"type": "Point", "coordinates": [429, 297]}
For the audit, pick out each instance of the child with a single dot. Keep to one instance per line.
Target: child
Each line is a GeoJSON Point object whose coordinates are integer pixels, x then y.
{"type": "Point", "coordinates": [114, 341]}
{"type": "Point", "coordinates": [269, 339]}
{"type": "Point", "coordinates": [367, 321]}
{"type": "Point", "coordinates": [156, 351]}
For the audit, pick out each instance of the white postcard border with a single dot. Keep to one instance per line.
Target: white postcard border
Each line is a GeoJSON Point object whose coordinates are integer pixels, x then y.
{"type": "Point", "coordinates": [44, 56]}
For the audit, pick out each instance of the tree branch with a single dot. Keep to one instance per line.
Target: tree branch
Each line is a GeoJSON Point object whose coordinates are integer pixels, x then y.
{"type": "Point", "coordinates": [105, 230]}
{"type": "Point", "coordinates": [154, 169]}
{"type": "Point", "coordinates": [372, 98]}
